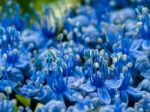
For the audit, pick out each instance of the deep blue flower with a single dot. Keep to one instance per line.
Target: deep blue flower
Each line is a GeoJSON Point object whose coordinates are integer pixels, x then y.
{"type": "Point", "coordinates": [49, 23]}
{"type": "Point", "coordinates": [125, 87]}
{"type": "Point", "coordinates": [92, 58]}
{"type": "Point", "coordinates": [60, 89]}
{"type": "Point", "coordinates": [13, 16]}
{"type": "Point", "coordinates": [13, 52]}
{"type": "Point", "coordinates": [144, 25]}
{"type": "Point", "coordinates": [35, 88]}
{"type": "Point", "coordinates": [14, 59]}
{"type": "Point", "coordinates": [46, 29]}
{"type": "Point", "coordinates": [99, 79]}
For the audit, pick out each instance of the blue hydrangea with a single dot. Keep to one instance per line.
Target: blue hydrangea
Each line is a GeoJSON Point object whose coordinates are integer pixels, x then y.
{"type": "Point", "coordinates": [90, 57]}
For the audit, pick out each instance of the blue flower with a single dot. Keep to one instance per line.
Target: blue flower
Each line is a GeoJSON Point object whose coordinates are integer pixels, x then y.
{"type": "Point", "coordinates": [120, 40]}
{"type": "Point", "coordinates": [99, 79]}
{"type": "Point", "coordinates": [95, 57]}
{"type": "Point", "coordinates": [144, 25]}
{"type": "Point", "coordinates": [46, 29]}
{"type": "Point", "coordinates": [53, 106]}
{"type": "Point", "coordinates": [125, 87]}
{"type": "Point", "coordinates": [13, 52]}
{"type": "Point", "coordinates": [35, 88]}
{"type": "Point", "coordinates": [60, 89]}
{"type": "Point", "coordinates": [49, 22]}
{"type": "Point", "coordinates": [13, 18]}
{"type": "Point", "coordinates": [122, 15]}
{"type": "Point", "coordinates": [14, 59]}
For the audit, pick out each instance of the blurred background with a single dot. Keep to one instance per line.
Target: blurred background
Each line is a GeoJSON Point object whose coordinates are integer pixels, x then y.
{"type": "Point", "coordinates": [25, 4]}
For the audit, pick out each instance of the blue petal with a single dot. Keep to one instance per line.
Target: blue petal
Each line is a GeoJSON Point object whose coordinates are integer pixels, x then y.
{"type": "Point", "coordinates": [55, 96]}
{"type": "Point", "coordinates": [70, 80]}
{"type": "Point", "coordinates": [146, 45]}
{"type": "Point", "coordinates": [104, 95]}
{"type": "Point", "coordinates": [16, 75]}
{"type": "Point", "coordinates": [87, 87]}
{"type": "Point", "coordinates": [73, 95]}
{"type": "Point", "coordinates": [106, 109]}
{"type": "Point", "coordinates": [134, 92]}
{"type": "Point", "coordinates": [113, 84]}
{"type": "Point", "coordinates": [69, 97]}
{"type": "Point", "coordinates": [146, 74]}
{"type": "Point", "coordinates": [123, 96]}
{"type": "Point", "coordinates": [45, 95]}
{"type": "Point", "coordinates": [142, 63]}
{"type": "Point", "coordinates": [136, 53]}
{"type": "Point", "coordinates": [136, 44]}
{"type": "Point", "coordinates": [5, 83]}
{"type": "Point", "coordinates": [22, 64]}
{"type": "Point", "coordinates": [144, 84]}
{"type": "Point", "coordinates": [54, 106]}
{"type": "Point", "coordinates": [86, 102]}
{"type": "Point", "coordinates": [130, 109]}
{"type": "Point", "coordinates": [32, 37]}
{"type": "Point", "coordinates": [76, 84]}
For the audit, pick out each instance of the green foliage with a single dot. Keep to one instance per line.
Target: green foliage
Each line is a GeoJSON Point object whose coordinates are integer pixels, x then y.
{"type": "Point", "coordinates": [25, 101]}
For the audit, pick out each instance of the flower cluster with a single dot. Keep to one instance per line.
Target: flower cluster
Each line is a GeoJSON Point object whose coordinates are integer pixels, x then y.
{"type": "Point", "coordinates": [95, 57]}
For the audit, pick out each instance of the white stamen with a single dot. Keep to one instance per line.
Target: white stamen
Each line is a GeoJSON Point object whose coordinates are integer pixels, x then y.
{"type": "Point", "coordinates": [119, 55]}
{"type": "Point", "coordinates": [14, 101]}
{"type": "Point", "coordinates": [15, 51]}
{"type": "Point", "coordinates": [96, 65]}
{"type": "Point", "coordinates": [8, 89]}
{"type": "Point", "coordinates": [77, 23]}
{"type": "Point", "coordinates": [78, 57]}
{"type": "Point", "coordinates": [139, 24]}
{"type": "Point", "coordinates": [115, 45]}
{"type": "Point", "coordinates": [115, 60]}
{"type": "Point", "coordinates": [102, 52]}
{"type": "Point", "coordinates": [4, 56]}
{"type": "Point", "coordinates": [130, 64]}
{"type": "Point", "coordinates": [87, 39]}
{"type": "Point", "coordinates": [124, 68]}
{"type": "Point", "coordinates": [124, 57]}
{"type": "Point", "coordinates": [99, 40]}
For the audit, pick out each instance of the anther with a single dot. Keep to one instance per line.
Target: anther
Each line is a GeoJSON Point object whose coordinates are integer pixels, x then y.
{"type": "Point", "coordinates": [5, 56]}
{"type": "Point", "coordinates": [124, 57]}
{"type": "Point", "coordinates": [15, 51]}
{"type": "Point", "coordinates": [8, 89]}
{"type": "Point", "coordinates": [130, 64]}
{"type": "Point", "coordinates": [115, 60]}
{"type": "Point", "coordinates": [96, 65]}
{"type": "Point", "coordinates": [124, 68]}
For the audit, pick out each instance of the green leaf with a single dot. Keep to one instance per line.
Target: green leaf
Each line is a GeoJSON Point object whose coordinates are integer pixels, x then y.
{"type": "Point", "coordinates": [39, 105]}
{"type": "Point", "coordinates": [24, 100]}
